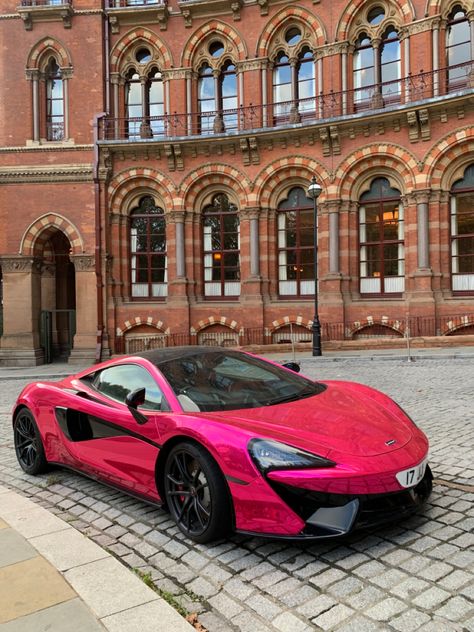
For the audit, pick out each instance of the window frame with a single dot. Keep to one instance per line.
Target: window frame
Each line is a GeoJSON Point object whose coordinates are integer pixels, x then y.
{"type": "Point", "coordinates": [206, 213]}
{"type": "Point", "coordinates": [381, 242]}
{"type": "Point", "coordinates": [148, 253]}
{"type": "Point", "coordinates": [458, 190]}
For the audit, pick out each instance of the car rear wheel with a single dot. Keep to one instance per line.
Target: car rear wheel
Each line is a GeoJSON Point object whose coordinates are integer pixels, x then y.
{"type": "Point", "coordinates": [196, 493]}
{"type": "Point", "coordinates": [28, 444]}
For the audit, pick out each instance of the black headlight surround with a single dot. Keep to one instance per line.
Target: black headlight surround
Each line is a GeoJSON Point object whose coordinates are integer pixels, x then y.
{"type": "Point", "coordinates": [314, 461]}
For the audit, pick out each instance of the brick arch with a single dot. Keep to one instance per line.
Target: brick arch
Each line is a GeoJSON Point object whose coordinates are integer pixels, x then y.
{"type": "Point", "coordinates": [211, 175]}
{"type": "Point", "coordinates": [447, 155]}
{"type": "Point", "coordinates": [392, 158]}
{"type": "Point", "coordinates": [131, 39]}
{"type": "Point", "coordinates": [289, 320]}
{"type": "Point", "coordinates": [38, 233]}
{"type": "Point", "coordinates": [443, 7]}
{"type": "Point", "coordinates": [129, 180]}
{"type": "Point", "coordinates": [137, 321]}
{"type": "Point", "coordinates": [397, 326]}
{"type": "Point", "coordinates": [45, 46]}
{"type": "Point", "coordinates": [215, 320]}
{"type": "Point", "coordinates": [298, 14]}
{"type": "Point", "coordinates": [404, 8]}
{"type": "Point", "coordinates": [280, 170]}
{"type": "Point", "coordinates": [213, 27]}
{"type": "Point", "coordinates": [458, 324]}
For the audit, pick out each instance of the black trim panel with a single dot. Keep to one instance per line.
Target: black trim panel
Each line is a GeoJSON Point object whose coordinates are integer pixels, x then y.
{"type": "Point", "coordinates": [79, 426]}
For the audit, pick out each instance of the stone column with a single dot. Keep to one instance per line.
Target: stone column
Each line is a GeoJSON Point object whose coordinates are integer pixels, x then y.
{"type": "Point", "coordinates": [405, 38]}
{"type": "Point", "coordinates": [435, 61]}
{"type": "Point", "coordinates": [294, 113]}
{"type": "Point", "coordinates": [250, 252]}
{"type": "Point", "coordinates": [20, 343]}
{"type": "Point", "coordinates": [422, 207]}
{"type": "Point", "coordinates": [344, 80]}
{"type": "Point", "coordinates": [377, 100]}
{"type": "Point", "coordinates": [264, 71]}
{"type": "Point", "coordinates": [85, 339]}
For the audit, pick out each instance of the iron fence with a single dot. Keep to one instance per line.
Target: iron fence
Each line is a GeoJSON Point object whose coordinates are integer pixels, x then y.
{"type": "Point", "coordinates": [369, 328]}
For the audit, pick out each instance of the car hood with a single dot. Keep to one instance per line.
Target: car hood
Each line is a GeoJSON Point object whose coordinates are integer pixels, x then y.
{"type": "Point", "coordinates": [345, 418]}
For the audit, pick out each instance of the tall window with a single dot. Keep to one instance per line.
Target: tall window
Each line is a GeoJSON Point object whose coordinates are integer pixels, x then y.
{"type": "Point", "coordinates": [144, 98]}
{"type": "Point", "coordinates": [295, 245]}
{"type": "Point", "coordinates": [217, 97]}
{"type": "Point", "coordinates": [462, 232]}
{"type": "Point", "coordinates": [377, 68]}
{"type": "Point", "coordinates": [458, 48]}
{"type": "Point", "coordinates": [148, 250]}
{"type": "Point", "coordinates": [54, 102]}
{"type": "Point", "coordinates": [294, 86]}
{"type": "Point", "coordinates": [382, 259]}
{"type": "Point", "coordinates": [221, 245]}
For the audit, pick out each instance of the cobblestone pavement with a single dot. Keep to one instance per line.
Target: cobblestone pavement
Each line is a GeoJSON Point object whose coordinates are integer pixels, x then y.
{"type": "Point", "coordinates": [418, 575]}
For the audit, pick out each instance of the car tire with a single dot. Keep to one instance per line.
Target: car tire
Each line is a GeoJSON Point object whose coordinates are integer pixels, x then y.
{"type": "Point", "coordinates": [196, 493]}
{"type": "Point", "coordinates": [28, 443]}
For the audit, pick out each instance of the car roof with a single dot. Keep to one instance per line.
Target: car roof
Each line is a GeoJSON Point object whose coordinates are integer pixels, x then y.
{"type": "Point", "coordinates": [157, 356]}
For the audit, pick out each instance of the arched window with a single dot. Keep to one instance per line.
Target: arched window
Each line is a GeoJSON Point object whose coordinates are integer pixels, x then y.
{"type": "Point", "coordinates": [144, 98]}
{"type": "Point", "coordinates": [462, 232]}
{"type": "Point", "coordinates": [54, 102]}
{"type": "Point", "coordinates": [377, 65]}
{"type": "Point", "coordinates": [381, 238]}
{"type": "Point", "coordinates": [295, 244]}
{"type": "Point", "coordinates": [148, 250]}
{"type": "Point", "coordinates": [458, 48]}
{"type": "Point", "coordinates": [294, 86]}
{"type": "Point", "coordinates": [217, 98]}
{"type": "Point", "coordinates": [221, 246]}
{"type": "Point", "coordinates": [390, 66]}
{"type": "Point", "coordinates": [364, 70]}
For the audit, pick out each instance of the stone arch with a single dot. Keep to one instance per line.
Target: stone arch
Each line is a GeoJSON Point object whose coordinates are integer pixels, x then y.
{"type": "Point", "coordinates": [447, 159]}
{"type": "Point", "coordinates": [317, 33]}
{"type": "Point", "coordinates": [290, 320]}
{"type": "Point", "coordinates": [212, 176]}
{"type": "Point", "coordinates": [131, 39]}
{"type": "Point", "coordinates": [443, 8]}
{"type": "Point", "coordinates": [455, 326]}
{"type": "Point", "coordinates": [39, 232]}
{"type": "Point", "coordinates": [376, 324]}
{"type": "Point", "coordinates": [211, 29]}
{"type": "Point", "coordinates": [43, 49]}
{"type": "Point", "coordinates": [215, 320]}
{"type": "Point", "coordinates": [138, 321]}
{"type": "Point", "coordinates": [403, 9]}
{"type": "Point", "coordinates": [284, 173]}
{"type": "Point", "coordinates": [394, 161]}
{"type": "Point", "coordinates": [125, 183]}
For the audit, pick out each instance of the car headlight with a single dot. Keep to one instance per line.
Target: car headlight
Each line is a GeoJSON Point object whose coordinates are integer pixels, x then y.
{"type": "Point", "coordinates": [272, 455]}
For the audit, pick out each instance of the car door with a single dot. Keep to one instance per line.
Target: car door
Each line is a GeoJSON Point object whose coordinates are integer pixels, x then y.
{"type": "Point", "coordinates": [105, 440]}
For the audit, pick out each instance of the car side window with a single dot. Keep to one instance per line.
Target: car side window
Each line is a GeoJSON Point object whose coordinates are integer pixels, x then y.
{"type": "Point", "coordinates": [117, 382]}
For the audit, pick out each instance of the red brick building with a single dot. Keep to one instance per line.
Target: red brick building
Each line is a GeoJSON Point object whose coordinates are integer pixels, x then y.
{"type": "Point", "coordinates": [155, 160]}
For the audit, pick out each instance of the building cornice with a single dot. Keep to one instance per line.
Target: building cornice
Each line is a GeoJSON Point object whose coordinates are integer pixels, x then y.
{"type": "Point", "coordinates": [46, 147]}
{"type": "Point", "coordinates": [53, 173]}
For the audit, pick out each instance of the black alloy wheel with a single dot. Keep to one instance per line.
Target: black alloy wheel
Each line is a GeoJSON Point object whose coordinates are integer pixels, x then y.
{"type": "Point", "coordinates": [196, 493]}
{"type": "Point", "coordinates": [28, 445]}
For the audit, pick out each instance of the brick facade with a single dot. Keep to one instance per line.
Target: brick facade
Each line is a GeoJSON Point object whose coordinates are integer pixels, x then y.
{"type": "Point", "coordinates": [66, 202]}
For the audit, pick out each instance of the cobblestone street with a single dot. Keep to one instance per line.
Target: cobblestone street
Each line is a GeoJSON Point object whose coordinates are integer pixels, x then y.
{"type": "Point", "coordinates": [418, 575]}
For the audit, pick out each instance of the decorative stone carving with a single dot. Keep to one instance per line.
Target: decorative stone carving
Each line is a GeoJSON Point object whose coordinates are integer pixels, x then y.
{"type": "Point", "coordinates": [83, 263]}
{"type": "Point", "coordinates": [20, 264]}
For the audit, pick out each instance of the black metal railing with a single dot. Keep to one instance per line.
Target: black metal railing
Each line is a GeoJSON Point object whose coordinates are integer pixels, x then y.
{"type": "Point", "coordinates": [385, 96]}
{"type": "Point", "coordinates": [367, 329]}
{"type": "Point", "coordinates": [45, 3]}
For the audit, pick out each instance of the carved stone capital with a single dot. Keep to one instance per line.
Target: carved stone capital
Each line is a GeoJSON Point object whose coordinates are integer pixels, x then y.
{"type": "Point", "coordinates": [251, 212]}
{"type": "Point", "coordinates": [18, 263]}
{"type": "Point", "coordinates": [421, 197]}
{"type": "Point", "coordinates": [83, 263]}
{"type": "Point", "coordinates": [176, 217]}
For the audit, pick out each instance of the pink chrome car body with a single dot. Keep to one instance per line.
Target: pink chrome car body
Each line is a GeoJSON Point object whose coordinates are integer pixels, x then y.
{"type": "Point", "coordinates": [364, 437]}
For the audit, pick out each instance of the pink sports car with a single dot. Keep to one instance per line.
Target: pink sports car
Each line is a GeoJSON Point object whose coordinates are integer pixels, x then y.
{"type": "Point", "coordinates": [230, 441]}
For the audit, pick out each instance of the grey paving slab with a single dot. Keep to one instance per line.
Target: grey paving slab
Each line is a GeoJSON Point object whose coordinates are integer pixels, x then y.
{"type": "Point", "coordinates": [67, 549]}
{"type": "Point", "coordinates": [14, 548]}
{"type": "Point", "coordinates": [415, 575]}
{"type": "Point", "coordinates": [70, 616]}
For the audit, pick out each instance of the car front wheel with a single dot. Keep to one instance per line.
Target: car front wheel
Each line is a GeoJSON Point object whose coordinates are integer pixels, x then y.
{"type": "Point", "coordinates": [196, 493]}
{"type": "Point", "coordinates": [28, 444]}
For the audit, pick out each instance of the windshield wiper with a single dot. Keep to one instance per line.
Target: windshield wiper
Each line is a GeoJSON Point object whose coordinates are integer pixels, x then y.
{"type": "Point", "coordinates": [292, 398]}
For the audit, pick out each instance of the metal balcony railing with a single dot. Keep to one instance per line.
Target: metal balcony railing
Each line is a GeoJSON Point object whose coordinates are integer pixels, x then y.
{"type": "Point", "coordinates": [121, 4]}
{"type": "Point", "coordinates": [45, 3]}
{"type": "Point", "coordinates": [382, 97]}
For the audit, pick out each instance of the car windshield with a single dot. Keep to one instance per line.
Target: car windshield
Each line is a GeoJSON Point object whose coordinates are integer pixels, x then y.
{"type": "Point", "coordinates": [227, 380]}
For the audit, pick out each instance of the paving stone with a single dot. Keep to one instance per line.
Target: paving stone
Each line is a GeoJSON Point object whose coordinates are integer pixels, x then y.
{"type": "Point", "coordinates": [287, 622]}
{"type": "Point", "coordinates": [455, 609]}
{"type": "Point", "coordinates": [333, 617]}
{"type": "Point", "coordinates": [263, 606]}
{"type": "Point", "coordinates": [410, 621]}
{"type": "Point", "coordinates": [431, 598]}
{"type": "Point", "coordinates": [386, 609]}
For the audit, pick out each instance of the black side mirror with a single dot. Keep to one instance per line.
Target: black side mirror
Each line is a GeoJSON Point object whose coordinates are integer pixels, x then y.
{"type": "Point", "coordinates": [133, 400]}
{"type": "Point", "coordinates": [293, 366]}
